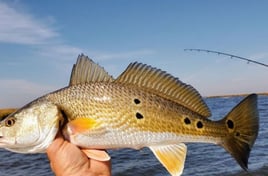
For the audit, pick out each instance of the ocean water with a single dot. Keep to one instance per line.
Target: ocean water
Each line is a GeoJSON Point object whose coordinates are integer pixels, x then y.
{"type": "Point", "coordinates": [202, 159]}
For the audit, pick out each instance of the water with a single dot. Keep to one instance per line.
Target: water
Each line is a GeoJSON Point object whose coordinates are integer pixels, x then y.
{"type": "Point", "coordinates": [202, 159]}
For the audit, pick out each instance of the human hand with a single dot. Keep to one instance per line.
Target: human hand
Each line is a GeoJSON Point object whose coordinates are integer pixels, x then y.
{"type": "Point", "coordinates": [67, 159]}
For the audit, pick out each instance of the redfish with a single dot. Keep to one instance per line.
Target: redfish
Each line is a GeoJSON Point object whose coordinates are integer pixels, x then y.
{"type": "Point", "coordinates": [143, 107]}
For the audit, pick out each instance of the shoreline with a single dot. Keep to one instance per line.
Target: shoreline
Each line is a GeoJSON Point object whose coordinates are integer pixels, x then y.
{"type": "Point", "coordinates": [234, 95]}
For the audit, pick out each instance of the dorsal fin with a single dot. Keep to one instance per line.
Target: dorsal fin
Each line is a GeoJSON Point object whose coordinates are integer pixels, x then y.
{"type": "Point", "coordinates": [165, 85]}
{"type": "Point", "coordinates": [85, 71]}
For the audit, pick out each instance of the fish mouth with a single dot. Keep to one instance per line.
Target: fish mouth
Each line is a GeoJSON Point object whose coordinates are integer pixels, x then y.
{"type": "Point", "coordinates": [4, 142]}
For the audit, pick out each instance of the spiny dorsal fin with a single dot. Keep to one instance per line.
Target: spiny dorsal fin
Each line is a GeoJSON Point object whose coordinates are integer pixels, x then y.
{"type": "Point", "coordinates": [165, 85]}
{"type": "Point", "coordinates": [85, 71]}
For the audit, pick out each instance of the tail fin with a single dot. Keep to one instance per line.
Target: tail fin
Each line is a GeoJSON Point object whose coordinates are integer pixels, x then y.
{"type": "Point", "coordinates": [243, 126]}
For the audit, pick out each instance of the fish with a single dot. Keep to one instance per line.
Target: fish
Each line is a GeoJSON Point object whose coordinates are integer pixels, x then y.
{"type": "Point", "coordinates": [142, 107]}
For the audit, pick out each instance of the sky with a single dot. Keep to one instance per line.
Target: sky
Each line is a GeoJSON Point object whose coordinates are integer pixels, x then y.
{"type": "Point", "coordinates": [40, 41]}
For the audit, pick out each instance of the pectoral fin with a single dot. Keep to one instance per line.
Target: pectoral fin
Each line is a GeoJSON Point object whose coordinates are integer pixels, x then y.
{"type": "Point", "coordinates": [99, 155]}
{"type": "Point", "coordinates": [171, 156]}
{"type": "Point", "coordinates": [81, 125]}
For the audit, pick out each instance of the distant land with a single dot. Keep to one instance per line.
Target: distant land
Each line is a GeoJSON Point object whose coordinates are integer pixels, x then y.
{"type": "Point", "coordinates": [234, 95]}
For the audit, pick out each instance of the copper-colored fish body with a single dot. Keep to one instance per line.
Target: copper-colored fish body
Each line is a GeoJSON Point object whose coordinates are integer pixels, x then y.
{"type": "Point", "coordinates": [143, 107]}
{"type": "Point", "coordinates": [129, 111]}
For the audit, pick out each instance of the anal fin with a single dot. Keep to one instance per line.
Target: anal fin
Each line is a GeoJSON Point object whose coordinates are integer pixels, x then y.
{"type": "Point", "coordinates": [172, 157]}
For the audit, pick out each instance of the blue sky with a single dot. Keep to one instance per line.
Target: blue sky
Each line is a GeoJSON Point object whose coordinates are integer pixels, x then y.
{"type": "Point", "coordinates": [40, 40]}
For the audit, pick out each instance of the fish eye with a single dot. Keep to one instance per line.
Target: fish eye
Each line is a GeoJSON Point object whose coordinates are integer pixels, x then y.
{"type": "Point", "coordinates": [10, 122]}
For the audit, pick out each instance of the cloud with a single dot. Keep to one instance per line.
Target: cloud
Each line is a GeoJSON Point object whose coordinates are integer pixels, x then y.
{"type": "Point", "coordinates": [69, 53]}
{"type": "Point", "coordinates": [17, 26]}
{"type": "Point", "coordinates": [123, 55]}
{"type": "Point", "coordinates": [19, 92]}
{"type": "Point", "coordinates": [22, 28]}
{"type": "Point", "coordinates": [45, 44]}
{"type": "Point", "coordinates": [60, 52]}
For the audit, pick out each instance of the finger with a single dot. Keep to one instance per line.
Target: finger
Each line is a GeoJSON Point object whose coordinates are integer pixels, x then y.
{"type": "Point", "coordinates": [100, 167]}
{"type": "Point", "coordinates": [54, 146]}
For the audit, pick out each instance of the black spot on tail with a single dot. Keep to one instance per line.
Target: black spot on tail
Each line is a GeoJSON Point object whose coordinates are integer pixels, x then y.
{"type": "Point", "coordinates": [242, 123]}
{"type": "Point", "coordinates": [139, 115]}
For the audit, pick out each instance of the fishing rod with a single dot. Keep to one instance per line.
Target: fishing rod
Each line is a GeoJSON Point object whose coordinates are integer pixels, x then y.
{"type": "Point", "coordinates": [230, 55]}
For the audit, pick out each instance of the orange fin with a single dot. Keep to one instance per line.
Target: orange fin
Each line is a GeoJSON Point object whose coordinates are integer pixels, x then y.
{"type": "Point", "coordinates": [172, 157]}
{"type": "Point", "coordinates": [99, 155]}
{"type": "Point", "coordinates": [81, 125]}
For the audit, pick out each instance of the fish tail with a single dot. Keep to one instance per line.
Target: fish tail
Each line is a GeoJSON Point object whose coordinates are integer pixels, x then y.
{"type": "Point", "coordinates": [242, 123]}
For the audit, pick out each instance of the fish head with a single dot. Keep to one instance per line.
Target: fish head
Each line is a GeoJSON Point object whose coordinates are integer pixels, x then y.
{"type": "Point", "coordinates": [30, 129]}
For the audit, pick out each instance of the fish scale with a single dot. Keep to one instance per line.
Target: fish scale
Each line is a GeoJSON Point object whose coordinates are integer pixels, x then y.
{"type": "Point", "coordinates": [143, 107]}
{"type": "Point", "coordinates": [159, 115]}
